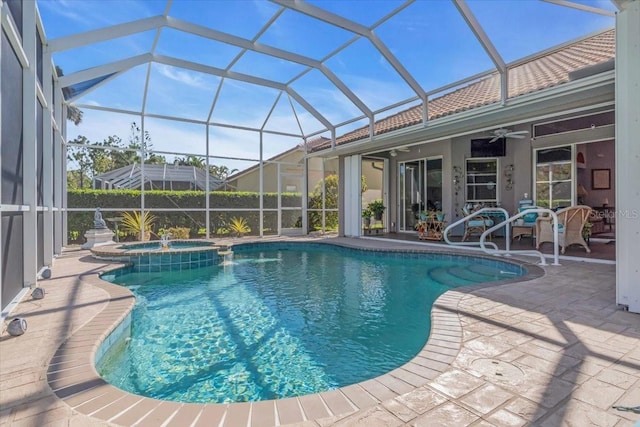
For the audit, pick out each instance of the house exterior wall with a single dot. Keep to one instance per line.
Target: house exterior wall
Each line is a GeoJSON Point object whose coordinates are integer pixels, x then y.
{"type": "Point", "coordinates": [250, 181]}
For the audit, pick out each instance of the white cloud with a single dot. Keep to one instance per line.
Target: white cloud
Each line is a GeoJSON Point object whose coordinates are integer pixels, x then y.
{"type": "Point", "coordinates": [182, 76]}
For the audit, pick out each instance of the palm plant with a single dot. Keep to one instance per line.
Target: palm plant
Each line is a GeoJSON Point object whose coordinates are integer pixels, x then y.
{"type": "Point", "coordinates": [132, 224]}
{"type": "Point", "coordinates": [239, 226]}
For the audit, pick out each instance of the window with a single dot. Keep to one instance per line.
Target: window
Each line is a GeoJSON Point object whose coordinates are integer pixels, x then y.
{"type": "Point", "coordinates": [575, 123]}
{"type": "Point", "coordinates": [554, 178]}
{"type": "Point", "coordinates": [482, 180]}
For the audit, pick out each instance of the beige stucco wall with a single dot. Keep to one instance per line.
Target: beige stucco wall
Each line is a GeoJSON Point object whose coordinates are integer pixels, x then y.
{"type": "Point", "coordinates": [290, 164]}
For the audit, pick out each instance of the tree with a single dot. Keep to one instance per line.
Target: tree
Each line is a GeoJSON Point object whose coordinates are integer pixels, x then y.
{"type": "Point", "coordinates": [190, 161]}
{"type": "Point", "coordinates": [73, 113]}
{"type": "Point", "coordinates": [83, 161]}
{"type": "Point", "coordinates": [331, 192]}
{"type": "Point", "coordinates": [222, 172]}
{"type": "Point", "coordinates": [94, 161]}
{"type": "Point", "coordinates": [137, 143]}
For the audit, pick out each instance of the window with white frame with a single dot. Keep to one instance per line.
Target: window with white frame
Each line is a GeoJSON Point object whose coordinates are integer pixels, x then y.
{"type": "Point", "coordinates": [482, 180]}
{"type": "Point", "coordinates": [554, 177]}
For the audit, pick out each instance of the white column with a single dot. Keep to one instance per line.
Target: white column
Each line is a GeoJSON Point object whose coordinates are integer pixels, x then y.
{"type": "Point", "coordinates": [47, 163]}
{"type": "Point", "coordinates": [207, 215]}
{"type": "Point", "coordinates": [628, 156]}
{"type": "Point", "coordinates": [261, 186]}
{"type": "Point", "coordinates": [305, 193]}
{"type": "Point", "coordinates": [29, 152]}
{"type": "Point", "coordinates": [143, 153]}
{"type": "Point", "coordinates": [352, 197]}
{"type": "Point", "coordinates": [279, 183]}
{"type": "Point", "coordinates": [59, 169]}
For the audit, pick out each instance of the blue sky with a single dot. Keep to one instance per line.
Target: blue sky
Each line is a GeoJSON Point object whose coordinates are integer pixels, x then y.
{"type": "Point", "coordinates": [429, 37]}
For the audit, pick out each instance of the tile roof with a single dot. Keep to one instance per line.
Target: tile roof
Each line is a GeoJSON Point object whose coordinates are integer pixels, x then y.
{"type": "Point", "coordinates": [540, 72]}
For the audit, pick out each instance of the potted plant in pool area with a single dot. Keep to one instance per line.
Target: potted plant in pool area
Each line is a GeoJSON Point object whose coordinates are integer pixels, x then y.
{"type": "Point", "coordinates": [377, 208]}
{"type": "Point", "coordinates": [366, 218]}
{"type": "Point", "coordinates": [132, 224]}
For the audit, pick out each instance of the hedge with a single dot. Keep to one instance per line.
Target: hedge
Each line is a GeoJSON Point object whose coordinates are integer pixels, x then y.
{"type": "Point", "coordinates": [79, 222]}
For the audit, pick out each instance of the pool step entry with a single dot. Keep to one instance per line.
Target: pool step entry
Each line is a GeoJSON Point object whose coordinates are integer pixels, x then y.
{"type": "Point", "coordinates": [226, 254]}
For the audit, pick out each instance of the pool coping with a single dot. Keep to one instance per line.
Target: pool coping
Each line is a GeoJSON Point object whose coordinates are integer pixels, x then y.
{"type": "Point", "coordinates": [115, 250]}
{"type": "Point", "coordinates": [72, 376]}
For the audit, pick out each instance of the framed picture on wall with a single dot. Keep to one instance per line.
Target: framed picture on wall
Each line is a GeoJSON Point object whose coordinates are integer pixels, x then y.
{"type": "Point", "coordinates": [600, 179]}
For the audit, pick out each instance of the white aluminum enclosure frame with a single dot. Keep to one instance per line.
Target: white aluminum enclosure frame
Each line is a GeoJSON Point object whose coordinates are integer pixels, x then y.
{"type": "Point", "coordinates": [55, 198]}
{"type": "Point", "coordinates": [627, 156]}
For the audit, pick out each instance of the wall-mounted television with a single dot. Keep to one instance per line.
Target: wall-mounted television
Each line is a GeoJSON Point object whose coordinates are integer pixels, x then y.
{"type": "Point", "coordinates": [483, 147]}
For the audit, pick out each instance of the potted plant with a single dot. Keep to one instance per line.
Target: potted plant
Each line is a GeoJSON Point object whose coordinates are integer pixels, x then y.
{"type": "Point", "coordinates": [440, 216]}
{"type": "Point", "coordinates": [132, 224]}
{"type": "Point", "coordinates": [366, 218]}
{"type": "Point", "coordinates": [586, 231]}
{"type": "Point", "coordinates": [377, 208]}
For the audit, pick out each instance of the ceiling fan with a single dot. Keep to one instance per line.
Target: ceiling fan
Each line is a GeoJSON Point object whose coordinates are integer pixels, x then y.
{"type": "Point", "coordinates": [507, 133]}
{"type": "Point", "coordinates": [394, 151]}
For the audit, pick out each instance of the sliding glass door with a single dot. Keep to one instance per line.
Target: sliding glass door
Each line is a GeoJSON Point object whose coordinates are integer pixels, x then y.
{"type": "Point", "coordinates": [420, 189]}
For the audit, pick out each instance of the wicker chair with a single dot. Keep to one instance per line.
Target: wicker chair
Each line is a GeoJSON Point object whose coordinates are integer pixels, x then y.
{"type": "Point", "coordinates": [476, 224]}
{"type": "Point", "coordinates": [571, 221]}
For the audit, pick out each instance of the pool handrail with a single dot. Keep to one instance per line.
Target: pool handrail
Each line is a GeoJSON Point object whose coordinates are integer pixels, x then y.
{"type": "Point", "coordinates": [471, 215]}
{"type": "Point", "coordinates": [515, 217]}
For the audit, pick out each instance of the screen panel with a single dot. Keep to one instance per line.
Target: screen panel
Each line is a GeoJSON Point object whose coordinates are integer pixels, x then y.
{"type": "Point", "coordinates": [12, 138]}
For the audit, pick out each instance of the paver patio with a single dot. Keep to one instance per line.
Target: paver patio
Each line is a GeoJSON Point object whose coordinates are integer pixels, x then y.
{"type": "Point", "coordinates": [554, 350]}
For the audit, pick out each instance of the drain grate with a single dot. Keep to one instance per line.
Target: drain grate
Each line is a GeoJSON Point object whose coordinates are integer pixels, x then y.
{"type": "Point", "coordinates": [498, 370]}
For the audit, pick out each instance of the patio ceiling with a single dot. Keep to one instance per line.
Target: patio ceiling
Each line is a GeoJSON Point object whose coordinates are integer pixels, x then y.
{"type": "Point", "coordinates": [292, 68]}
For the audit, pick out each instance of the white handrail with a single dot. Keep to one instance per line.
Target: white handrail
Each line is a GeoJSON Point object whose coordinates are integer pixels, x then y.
{"type": "Point", "coordinates": [543, 261]}
{"type": "Point", "coordinates": [494, 250]}
{"type": "Point", "coordinates": [471, 215]}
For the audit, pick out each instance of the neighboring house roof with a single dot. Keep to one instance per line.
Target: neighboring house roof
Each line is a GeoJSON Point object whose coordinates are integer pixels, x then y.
{"type": "Point", "coordinates": [130, 176]}
{"type": "Point", "coordinates": [538, 72]}
{"type": "Point", "coordinates": [299, 147]}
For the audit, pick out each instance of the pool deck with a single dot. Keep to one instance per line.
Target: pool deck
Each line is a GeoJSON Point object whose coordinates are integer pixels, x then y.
{"type": "Point", "coordinates": [553, 350]}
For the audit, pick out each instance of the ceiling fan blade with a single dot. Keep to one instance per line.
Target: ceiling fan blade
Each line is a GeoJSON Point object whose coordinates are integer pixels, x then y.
{"type": "Point", "coordinates": [515, 135]}
{"type": "Point", "coordinates": [519, 132]}
{"type": "Point", "coordinates": [495, 138]}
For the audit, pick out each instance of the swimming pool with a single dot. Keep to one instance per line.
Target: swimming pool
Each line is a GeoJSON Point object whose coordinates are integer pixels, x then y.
{"type": "Point", "coordinates": [284, 320]}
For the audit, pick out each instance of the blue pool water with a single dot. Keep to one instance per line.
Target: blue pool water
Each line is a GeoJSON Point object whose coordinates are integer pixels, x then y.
{"type": "Point", "coordinates": [282, 322]}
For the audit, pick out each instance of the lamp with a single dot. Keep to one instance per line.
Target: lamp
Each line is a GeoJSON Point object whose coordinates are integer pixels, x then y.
{"type": "Point", "coordinates": [582, 193]}
{"type": "Point", "coordinates": [605, 202]}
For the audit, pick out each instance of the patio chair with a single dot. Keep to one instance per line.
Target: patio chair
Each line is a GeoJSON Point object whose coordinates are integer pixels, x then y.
{"type": "Point", "coordinates": [571, 221]}
{"type": "Point", "coordinates": [475, 224]}
{"type": "Point", "coordinates": [527, 224]}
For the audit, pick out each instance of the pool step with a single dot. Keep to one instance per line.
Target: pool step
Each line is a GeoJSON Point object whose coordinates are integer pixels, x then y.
{"type": "Point", "coordinates": [443, 276]}
{"type": "Point", "coordinates": [469, 275]}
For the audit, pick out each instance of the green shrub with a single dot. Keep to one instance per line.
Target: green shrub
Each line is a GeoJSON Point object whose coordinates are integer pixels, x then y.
{"type": "Point", "coordinates": [128, 200]}
{"type": "Point", "coordinates": [179, 232]}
